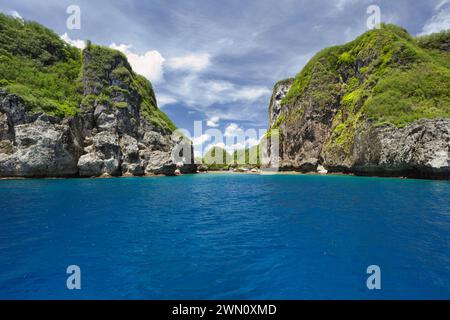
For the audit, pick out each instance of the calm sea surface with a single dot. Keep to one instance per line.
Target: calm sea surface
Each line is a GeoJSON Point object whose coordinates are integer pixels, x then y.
{"type": "Point", "coordinates": [225, 237]}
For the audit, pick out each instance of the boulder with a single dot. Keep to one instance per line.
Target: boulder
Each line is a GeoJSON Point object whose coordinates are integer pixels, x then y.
{"type": "Point", "coordinates": [103, 156]}
{"type": "Point", "coordinates": [131, 162]}
{"type": "Point", "coordinates": [321, 169]}
{"type": "Point", "coordinates": [160, 162]}
{"type": "Point", "coordinates": [41, 149]}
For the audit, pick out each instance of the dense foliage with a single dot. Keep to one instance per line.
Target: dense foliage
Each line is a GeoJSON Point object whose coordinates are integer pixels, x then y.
{"type": "Point", "coordinates": [217, 158]}
{"type": "Point", "coordinates": [248, 157]}
{"type": "Point", "coordinates": [38, 66]}
{"type": "Point", "coordinates": [52, 76]}
{"type": "Point", "coordinates": [384, 75]}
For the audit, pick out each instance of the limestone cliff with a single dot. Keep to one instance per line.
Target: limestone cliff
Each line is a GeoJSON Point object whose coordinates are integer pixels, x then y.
{"type": "Point", "coordinates": [64, 112]}
{"type": "Point", "coordinates": [379, 105]}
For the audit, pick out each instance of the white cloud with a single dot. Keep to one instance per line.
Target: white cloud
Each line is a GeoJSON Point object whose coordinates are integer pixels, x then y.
{"type": "Point", "coordinates": [200, 94]}
{"type": "Point", "coordinates": [200, 140]}
{"type": "Point", "coordinates": [440, 21]}
{"type": "Point", "coordinates": [150, 64]}
{"type": "Point", "coordinates": [16, 15]}
{"type": "Point", "coordinates": [165, 100]}
{"type": "Point", "coordinates": [190, 62]}
{"type": "Point", "coordinates": [341, 4]}
{"type": "Point", "coordinates": [189, 86]}
{"type": "Point", "coordinates": [212, 145]}
{"type": "Point", "coordinates": [442, 3]}
{"type": "Point", "coordinates": [233, 130]}
{"type": "Point", "coordinates": [80, 44]}
{"type": "Point", "coordinates": [197, 154]}
{"type": "Point", "coordinates": [219, 98]}
{"type": "Point", "coordinates": [250, 93]}
{"type": "Point", "coordinates": [218, 86]}
{"type": "Point", "coordinates": [213, 122]}
{"type": "Point", "coordinates": [230, 148]}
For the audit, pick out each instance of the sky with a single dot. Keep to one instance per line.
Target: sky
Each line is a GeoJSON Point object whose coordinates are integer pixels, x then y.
{"type": "Point", "coordinates": [217, 61]}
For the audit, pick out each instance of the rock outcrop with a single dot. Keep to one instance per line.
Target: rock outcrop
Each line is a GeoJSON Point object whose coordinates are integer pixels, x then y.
{"type": "Point", "coordinates": [362, 108]}
{"type": "Point", "coordinates": [421, 149]}
{"type": "Point", "coordinates": [43, 146]}
{"type": "Point", "coordinates": [118, 129]}
{"type": "Point", "coordinates": [280, 90]}
{"type": "Point", "coordinates": [37, 145]}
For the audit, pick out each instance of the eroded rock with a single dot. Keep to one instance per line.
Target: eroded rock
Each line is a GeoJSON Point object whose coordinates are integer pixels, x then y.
{"type": "Point", "coordinates": [41, 149]}
{"type": "Point", "coordinates": [98, 143]}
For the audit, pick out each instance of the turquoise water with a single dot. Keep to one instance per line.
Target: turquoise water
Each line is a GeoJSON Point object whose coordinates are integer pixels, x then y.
{"type": "Point", "coordinates": [225, 237]}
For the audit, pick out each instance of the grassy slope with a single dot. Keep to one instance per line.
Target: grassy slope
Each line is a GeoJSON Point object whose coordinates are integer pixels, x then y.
{"type": "Point", "coordinates": [38, 66]}
{"type": "Point", "coordinates": [46, 72]}
{"type": "Point", "coordinates": [386, 75]}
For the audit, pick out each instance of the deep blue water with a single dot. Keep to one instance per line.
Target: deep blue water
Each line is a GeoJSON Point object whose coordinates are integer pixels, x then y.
{"type": "Point", "coordinates": [225, 237]}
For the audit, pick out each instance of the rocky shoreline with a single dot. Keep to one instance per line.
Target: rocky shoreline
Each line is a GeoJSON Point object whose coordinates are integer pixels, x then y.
{"type": "Point", "coordinates": [354, 108]}
{"type": "Point", "coordinates": [419, 150]}
{"type": "Point", "coordinates": [100, 142]}
{"type": "Point", "coordinates": [329, 136]}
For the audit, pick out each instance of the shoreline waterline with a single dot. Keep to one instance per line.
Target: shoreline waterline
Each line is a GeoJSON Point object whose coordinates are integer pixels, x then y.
{"type": "Point", "coordinates": [226, 172]}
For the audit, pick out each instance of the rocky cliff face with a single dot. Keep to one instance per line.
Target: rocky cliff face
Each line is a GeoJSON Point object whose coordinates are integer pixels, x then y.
{"type": "Point", "coordinates": [121, 137]}
{"type": "Point", "coordinates": [37, 145]}
{"type": "Point", "coordinates": [103, 141]}
{"type": "Point", "coordinates": [280, 90]}
{"type": "Point", "coordinates": [371, 107]}
{"type": "Point", "coordinates": [421, 149]}
{"type": "Point", "coordinates": [108, 124]}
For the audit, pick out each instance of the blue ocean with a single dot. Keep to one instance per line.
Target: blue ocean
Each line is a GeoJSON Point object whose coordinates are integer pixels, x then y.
{"type": "Point", "coordinates": [225, 236]}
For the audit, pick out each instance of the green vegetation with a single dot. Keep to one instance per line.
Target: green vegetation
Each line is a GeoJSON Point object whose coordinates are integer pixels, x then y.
{"type": "Point", "coordinates": [109, 77]}
{"type": "Point", "coordinates": [149, 107]}
{"type": "Point", "coordinates": [438, 41]}
{"type": "Point", "coordinates": [38, 66]}
{"type": "Point", "coordinates": [248, 157]}
{"type": "Point", "coordinates": [320, 66]}
{"type": "Point", "coordinates": [217, 158]}
{"type": "Point", "coordinates": [58, 79]}
{"type": "Point", "coordinates": [275, 126]}
{"type": "Point", "coordinates": [384, 76]}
